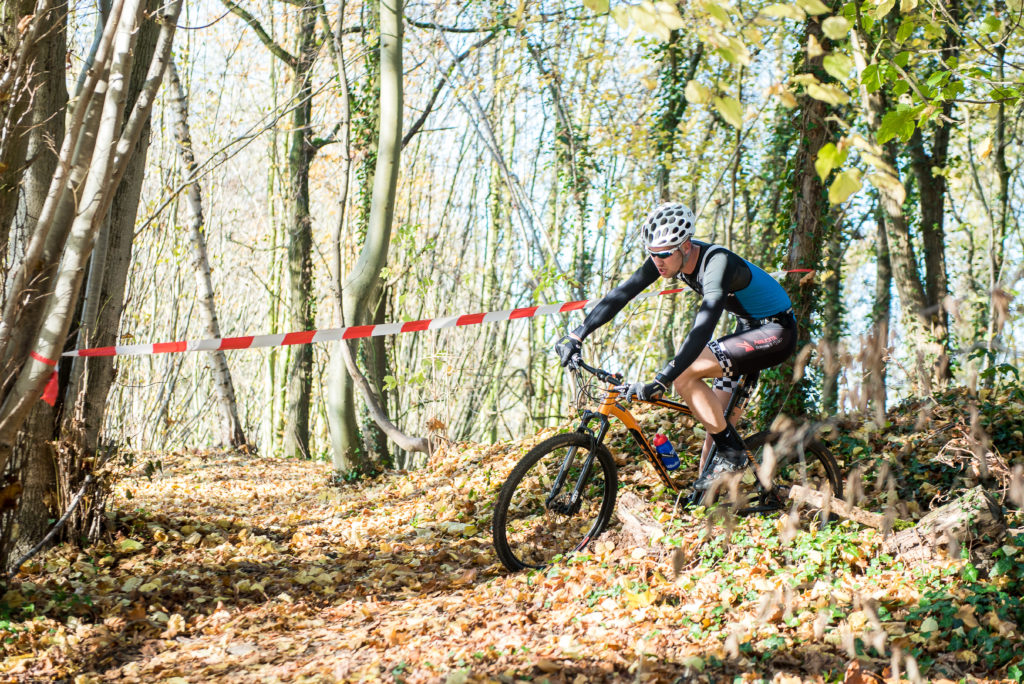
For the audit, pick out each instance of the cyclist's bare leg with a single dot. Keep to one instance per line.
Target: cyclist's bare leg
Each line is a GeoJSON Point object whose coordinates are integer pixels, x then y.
{"type": "Point", "coordinates": [698, 396]}
{"type": "Point", "coordinates": [723, 397]}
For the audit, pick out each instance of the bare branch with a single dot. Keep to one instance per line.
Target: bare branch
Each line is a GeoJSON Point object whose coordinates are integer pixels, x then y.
{"type": "Point", "coordinates": [418, 124]}
{"type": "Point", "coordinates": [261, 33]}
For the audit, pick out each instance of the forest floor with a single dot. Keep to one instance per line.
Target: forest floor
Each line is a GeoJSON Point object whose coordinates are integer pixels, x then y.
{"type": "Point", "coordinates": [220, 566]}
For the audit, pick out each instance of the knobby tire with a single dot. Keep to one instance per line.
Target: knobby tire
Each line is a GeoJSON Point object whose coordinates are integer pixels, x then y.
{"type": "Point", "coordinates": [528, 533]}
{"type": "Point", "coordinates": [809, 464]}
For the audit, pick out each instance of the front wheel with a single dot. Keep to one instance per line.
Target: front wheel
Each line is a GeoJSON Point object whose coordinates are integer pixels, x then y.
{"type": "Point", "coordinates": [534, 521]}
{"type": "Point", "coordinates": [779, 464]}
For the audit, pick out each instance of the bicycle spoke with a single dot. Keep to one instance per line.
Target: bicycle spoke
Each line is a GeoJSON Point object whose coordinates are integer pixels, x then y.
{"type": "Point", "coordinates": [532, 528]}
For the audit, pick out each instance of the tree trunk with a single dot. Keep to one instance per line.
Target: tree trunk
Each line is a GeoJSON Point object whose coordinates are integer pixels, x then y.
{"type": "Point", "coordinates": [91, 378]}
{"type": "Point", "coordinates": [672, 108]}
{"type": "Point", "coordinates": [911, 290]}
{"type": "Point", "coordinates": [93, 160]}
{"type": "Point", "coordinates": [812, 220]}
{"type": "Point", "coordinates": [346, 454]}
{"type": "Point", "coordinates": [33, 450]}
{"type": "Point", "coordinates": [832, 323]}
{"type": "Point", "coordinates": [1000, 221]}
{"type": "Point", "coordinates": [876, 348]}
{"type": "Point", "coordinates": [22, 73]}
{"type": "Point", "coordinates": [34, 458]}
{"type": "Point", "coordinates": [362, 289]}
{"type": "Point", "coordinates": [300, 241]}
{"type": "Point", "coordinates": [231, 432]}
{"type": "Point", "coordinates": [947, 529]}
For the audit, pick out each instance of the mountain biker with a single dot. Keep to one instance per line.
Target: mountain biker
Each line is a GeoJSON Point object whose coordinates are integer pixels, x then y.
{"type": "Point", "coordinates": [765, 335]}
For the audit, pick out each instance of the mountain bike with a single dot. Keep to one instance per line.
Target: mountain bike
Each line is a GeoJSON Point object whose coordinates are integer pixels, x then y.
{"type": "Point", "coordinates": [561, 495]}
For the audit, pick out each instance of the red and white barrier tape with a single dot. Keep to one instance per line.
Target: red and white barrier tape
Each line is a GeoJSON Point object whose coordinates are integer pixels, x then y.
{"type": "Point", "coordinates": [347, 333]}
{"type": "Point", "coordinates": [333, 334]}
{"type": "Point", "coordinates": [355, 331]}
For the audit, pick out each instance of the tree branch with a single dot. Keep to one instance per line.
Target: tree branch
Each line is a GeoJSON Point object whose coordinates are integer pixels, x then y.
{"type": "Point", "coordinates": [264, 37]}
{"type": "Point", "coordinates": [377, 412]}
{"type": "Point", "coordinates": [418, 124]}
{"type": "Point", "coordinates": [454, 29]}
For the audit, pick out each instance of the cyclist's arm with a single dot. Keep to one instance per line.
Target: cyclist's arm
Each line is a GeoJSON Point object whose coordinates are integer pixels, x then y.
{"type": "Point", "coordinates": [613, 302]}
{"type": "Point", "coordinates": [704, 322]}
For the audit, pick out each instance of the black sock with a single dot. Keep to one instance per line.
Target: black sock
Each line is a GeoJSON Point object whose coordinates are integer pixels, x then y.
{"type": "Point", "coordinates": [728, 440]}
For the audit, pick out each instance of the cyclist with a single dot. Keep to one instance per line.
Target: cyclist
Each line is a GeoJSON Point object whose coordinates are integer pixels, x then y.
{"type": "Point", "coordinates": [765, 334]}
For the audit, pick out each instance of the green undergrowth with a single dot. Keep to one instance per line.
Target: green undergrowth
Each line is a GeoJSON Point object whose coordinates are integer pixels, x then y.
{"type": "Point", "coordinates": [724, 598]}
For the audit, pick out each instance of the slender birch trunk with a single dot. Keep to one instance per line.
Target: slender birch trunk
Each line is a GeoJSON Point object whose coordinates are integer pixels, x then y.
{"type": "Point", "coordinates": [231, 431]}
{"type": "Point", "coordinates": [876, 349]}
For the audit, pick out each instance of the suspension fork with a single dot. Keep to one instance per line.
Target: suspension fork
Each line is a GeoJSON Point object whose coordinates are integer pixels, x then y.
{"type": "Point", "coordinates": [563, 472]}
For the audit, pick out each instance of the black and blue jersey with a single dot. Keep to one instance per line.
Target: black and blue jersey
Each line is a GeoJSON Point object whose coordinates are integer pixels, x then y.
{"type": "Point", "coordinates": [726, 281]}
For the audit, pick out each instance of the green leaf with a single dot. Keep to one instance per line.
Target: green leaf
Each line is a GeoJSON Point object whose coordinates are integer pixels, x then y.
{"type": "Point", "coordinates": [953, 90]}
{"type": "Point", "coordinates": [845, 184]}
{"type": "Point", "coordinates": [826, 92]}
{"type": "Point", "coordinates": [829, 158]}
{"type": "Point", "coordinates": [784, 12]}
{"type": "Point", "coordinates": [902, 59]}
{"type": "Point", "coordinates": [907, 6]}
{"type": "Point", "coordinates": [813, 7]}
{"type": "Point", "coordinates": [934, 29]}
{"type": "Point", "coordinates": [668, 14]}
{"type": "Point", "coordinates": [991, 24]}
{"type": "Point", "coordinates": [731, 110]}
{"type": "Point", "coordinates": [732, 50]}
{"type": "Point", "coordinates": [905, 30]}
{"type": "Point", "coordinates": [643, 16]}
{"type": "Point", "coordinates": [883, 8]}
{"type": "Point", "coordinates": [598, 6]}
{"type": "Point", "coordinates": [899, 122]}
{"type": "Point", "coordinates": [836, 28]}
{"type": "Point", "coordinates": [838, 66]}
{"type": "Point", "coordinates": [697, 93]}
{"type": "Point", "coordinates": [872, 77]}
{"type": "Point", "coordinates": [717, 12]}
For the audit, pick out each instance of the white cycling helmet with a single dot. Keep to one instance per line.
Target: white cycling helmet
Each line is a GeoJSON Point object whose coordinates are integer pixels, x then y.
{"type": "Point", "coordinates": [670, 225]}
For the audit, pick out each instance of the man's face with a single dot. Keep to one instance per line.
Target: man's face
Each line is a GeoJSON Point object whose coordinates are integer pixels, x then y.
{"type": "Point", "coordinates": [669, 261]}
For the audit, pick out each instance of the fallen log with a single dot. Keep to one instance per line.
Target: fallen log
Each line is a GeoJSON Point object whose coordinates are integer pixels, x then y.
{"type": "Point", "coordinates": [945, 530]}
{"type": "Point", "coordinates": [841, 508]}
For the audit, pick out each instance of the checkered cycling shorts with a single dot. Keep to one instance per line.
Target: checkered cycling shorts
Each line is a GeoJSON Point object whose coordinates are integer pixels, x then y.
{"type": "Point", "coordinates": [730, 384]}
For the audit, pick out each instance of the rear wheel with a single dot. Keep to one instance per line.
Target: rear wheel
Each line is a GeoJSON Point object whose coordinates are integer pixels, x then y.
{"type": "Point", "coordinates": [533, 523]}
{"type": "Point", "coordinates": [779, 465]}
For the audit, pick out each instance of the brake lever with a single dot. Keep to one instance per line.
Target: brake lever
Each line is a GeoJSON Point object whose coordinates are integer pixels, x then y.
{"type": "Point", "coordinates": [621, 389]}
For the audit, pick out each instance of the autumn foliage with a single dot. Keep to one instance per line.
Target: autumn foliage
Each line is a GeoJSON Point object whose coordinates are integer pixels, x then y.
{"type": "Point", "coordinates": [220, 566]}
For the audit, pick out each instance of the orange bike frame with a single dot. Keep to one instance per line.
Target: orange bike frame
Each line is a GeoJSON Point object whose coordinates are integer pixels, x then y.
{"type": "Point", "coordinates": [609, 408]}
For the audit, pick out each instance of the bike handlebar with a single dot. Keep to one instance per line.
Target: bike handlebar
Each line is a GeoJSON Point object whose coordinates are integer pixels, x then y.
{"type": "Point", "coordinates": [602, 375]}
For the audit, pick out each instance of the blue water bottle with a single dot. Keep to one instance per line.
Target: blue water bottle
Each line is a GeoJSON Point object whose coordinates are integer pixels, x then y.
{"type": "Point", "coordinates": [668, 455]}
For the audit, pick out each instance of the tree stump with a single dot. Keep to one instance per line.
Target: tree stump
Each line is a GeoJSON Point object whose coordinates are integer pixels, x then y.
{"type": "Point", "coordinates": [639, 528]}
{"type": "Point", "coordinates": [945, 530]}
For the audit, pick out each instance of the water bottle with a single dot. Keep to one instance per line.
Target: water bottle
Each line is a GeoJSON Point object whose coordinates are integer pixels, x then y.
{"type": "Point", "coordinates": [668, 455]}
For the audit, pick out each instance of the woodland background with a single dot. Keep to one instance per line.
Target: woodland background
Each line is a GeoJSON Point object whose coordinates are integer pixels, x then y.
{"type": "Point", "coordinates": [191, 170]}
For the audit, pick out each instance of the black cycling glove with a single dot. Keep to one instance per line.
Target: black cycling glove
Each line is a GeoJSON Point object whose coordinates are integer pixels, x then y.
{"type": "Point", "coordinates": [648, 391]}
{"type": "Point", "coordinates": [568, 350]}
